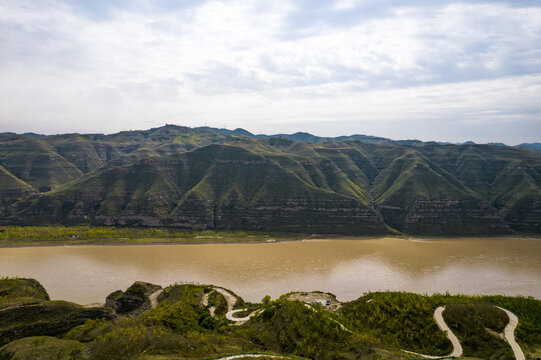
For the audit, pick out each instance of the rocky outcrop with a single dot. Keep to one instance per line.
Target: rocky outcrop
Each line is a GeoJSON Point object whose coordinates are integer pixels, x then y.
{"type": "Point", "coordinates": [18, 288]}
{"type": "Point", "coordinates": [134, 300]}
{"type": "Point", "coordinates": [50, 318]}
{"type": "Point", "coordinates": [25, 310]}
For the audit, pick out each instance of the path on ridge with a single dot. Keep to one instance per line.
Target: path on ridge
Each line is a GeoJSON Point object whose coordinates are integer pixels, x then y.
{"type": "Point", "coordinates": [509, 334]}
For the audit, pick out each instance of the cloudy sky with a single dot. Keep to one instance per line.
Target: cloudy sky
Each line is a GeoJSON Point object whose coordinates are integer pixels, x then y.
{"type": "Point", "coordinates": [431, 70]}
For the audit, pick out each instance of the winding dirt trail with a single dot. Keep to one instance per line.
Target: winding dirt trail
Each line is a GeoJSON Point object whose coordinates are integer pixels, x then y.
{"type": "Point", "coordinates": [229, 298]}
{"type": "Point", "coordinates": [509, 334]}
{"type": "Point", "coordinates": [241, 320]}
{"type": "Point", "coordinates": [231, 301]}
{"type": "Point", "coordinates": [153, 298]}
{"type": "Point", "coordinates": [457, 348]}
{"type": "Point", "coordinates": [240, 356]}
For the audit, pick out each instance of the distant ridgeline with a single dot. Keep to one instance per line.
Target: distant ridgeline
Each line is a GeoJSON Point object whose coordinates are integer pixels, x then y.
{"type": "Point", "coordinates": [207, 178]}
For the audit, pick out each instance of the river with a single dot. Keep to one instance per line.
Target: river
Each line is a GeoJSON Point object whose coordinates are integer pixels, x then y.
{"type": "Point", "coordinates": [345, 267]}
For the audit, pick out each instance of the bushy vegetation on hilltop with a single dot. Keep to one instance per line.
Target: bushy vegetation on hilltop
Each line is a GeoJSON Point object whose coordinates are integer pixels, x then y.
{"type": "Point", "coordinates": [399, 319]}
{"type": "Point", "coordinates": [405, 320]}
{"type": "Point", "coordinates": [470, 322]}
{"type": "Point", "coordinates": [375, 326]}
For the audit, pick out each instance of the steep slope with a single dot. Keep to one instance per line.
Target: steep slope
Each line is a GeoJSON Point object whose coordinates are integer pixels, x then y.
{"type": "Point", "coordinates": [11, 191]}
{"type": "Point", "coordinates": [508, 179]}
{"type": "Point", "coordinates": [202, 179]}
{"type": "Point", "coordinates": [36, 162]}
{"type": "Point", "coordinates": [417, 196]}
{"type": "Point", "coordinates": [49, 161]}
{"type": "Point", "coordinates": [11, 187]}
{"type": "Point", "coordinates": [218, 186]}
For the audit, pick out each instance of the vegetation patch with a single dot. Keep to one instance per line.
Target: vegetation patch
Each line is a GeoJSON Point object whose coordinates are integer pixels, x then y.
{"type": "Point", "coordinates": [86, 234]}
{"type": "Point", "coordinates": [43, 348]}
{"type": "Point", "coordinates": [401, 320]}
{"type": "Point", "coordinates": [18, 288]}
{"type": "Point", "coordinates": [470, 322]}
{"type": "Point", "coordinates": [375, 326]}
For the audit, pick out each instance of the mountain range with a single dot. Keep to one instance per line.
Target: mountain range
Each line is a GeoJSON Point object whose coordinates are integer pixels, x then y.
{"type": "Point", "coordinates": [208, 178]}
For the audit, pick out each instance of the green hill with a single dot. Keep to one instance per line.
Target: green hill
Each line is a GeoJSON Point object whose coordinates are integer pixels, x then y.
{"type": "Point", "coordinates": [182, 325]}
{"type": "Point", "coordinates": [215, 179]}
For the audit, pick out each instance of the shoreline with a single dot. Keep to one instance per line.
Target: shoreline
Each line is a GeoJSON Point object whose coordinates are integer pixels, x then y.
{"type": "Point", "coordinates": [243, 241]}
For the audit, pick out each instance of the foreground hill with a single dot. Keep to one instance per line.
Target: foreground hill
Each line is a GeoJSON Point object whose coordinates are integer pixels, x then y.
{"type": "Point", "coordinates": [204, 179]}
{"type": "Point", "coordinates": [204, 321]}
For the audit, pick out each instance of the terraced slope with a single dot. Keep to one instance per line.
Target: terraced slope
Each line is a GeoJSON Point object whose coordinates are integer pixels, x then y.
{"type": "Point", "coordinates": [200, 179]}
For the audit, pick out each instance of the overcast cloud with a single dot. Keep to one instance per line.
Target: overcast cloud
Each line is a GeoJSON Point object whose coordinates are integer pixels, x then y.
{"type": "Point", "coordinates": [432, 70]}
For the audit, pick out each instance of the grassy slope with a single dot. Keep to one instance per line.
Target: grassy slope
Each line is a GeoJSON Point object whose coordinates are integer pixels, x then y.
{"type": "Point", "coordinates": [382, 324]}
{"type": "Point", "coordinates": [36, 162]}
{"type": "Point", "coordinates": [165, 175]}
{"type": "Point", "coordinates": [25, 310]}
{"type": "Point", "coordinates": [12, 189]}
{"type": "Point", "coordinates": [470, 323]}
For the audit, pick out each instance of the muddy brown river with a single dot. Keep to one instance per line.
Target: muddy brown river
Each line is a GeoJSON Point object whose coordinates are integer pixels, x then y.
{"type": "Point", "coordinates": [347, 268]}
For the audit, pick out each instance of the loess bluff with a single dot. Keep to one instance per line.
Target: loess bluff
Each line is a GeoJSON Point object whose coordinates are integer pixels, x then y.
{"type": "Point", "coordinates": [204, 179]}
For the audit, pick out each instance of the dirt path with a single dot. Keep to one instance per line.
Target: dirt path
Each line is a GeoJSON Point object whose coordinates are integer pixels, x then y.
{"type": "Point", "coordinates": [231, 301]}
{"type": "Point", "coordinates": [336, 321]}
{"type": "Point", "coordinates": [509, 333]}
{"type": "Point", "coordinates": [229, 298]}
{"type": "Point", "coordinates": [241, 320]}
{"type": "Point", "coordinates": [153, 298]}
{"type": "Point", "coordinates": [205, 302]}
{"type": "Point", "coordinates": [240, 356]}
{"type": "Point", "coordinates": [457, 348]}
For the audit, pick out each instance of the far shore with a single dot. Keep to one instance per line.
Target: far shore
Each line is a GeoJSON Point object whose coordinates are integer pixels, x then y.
{"type": "Point", "coordinates": [217, 240]}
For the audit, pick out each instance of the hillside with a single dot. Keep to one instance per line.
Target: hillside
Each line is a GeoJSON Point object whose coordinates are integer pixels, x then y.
{"type": "Point", "coordinates": [208, 178]}
{"type": "Point", "coordinates": [191, 321]}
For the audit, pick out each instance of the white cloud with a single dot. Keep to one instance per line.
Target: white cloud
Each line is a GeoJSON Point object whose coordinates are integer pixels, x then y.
{"type": "Point", "coordinates": [229, 62]}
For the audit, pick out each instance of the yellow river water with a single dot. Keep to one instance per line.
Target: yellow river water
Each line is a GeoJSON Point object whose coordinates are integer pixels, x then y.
{"type": "Point", "coordinates": [345, 267]}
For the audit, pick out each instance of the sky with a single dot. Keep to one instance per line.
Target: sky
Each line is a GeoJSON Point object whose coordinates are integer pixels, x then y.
{"type": "Point", "coordinates": [421, 69]}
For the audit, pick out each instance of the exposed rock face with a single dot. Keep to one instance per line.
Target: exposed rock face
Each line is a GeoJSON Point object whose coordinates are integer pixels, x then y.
{"type": "Point", "coordinates": [49, 318]}
{"type": "Point", "coordinates": [25, 310]}
{"type": "Point", "coordinates": [451, 217]}
{"type": "Point", "coordinates": [289, 214]}
{"type": "Point", "coordinates": [134, 301]}
{"type": "Point", "coordinates": [526, 216]}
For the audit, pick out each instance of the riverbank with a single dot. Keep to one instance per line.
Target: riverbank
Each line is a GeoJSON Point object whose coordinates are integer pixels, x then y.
{"type": "Point", "coordinates": [22, 236]}
{"type": "Point", "coordinates": [28, 236]}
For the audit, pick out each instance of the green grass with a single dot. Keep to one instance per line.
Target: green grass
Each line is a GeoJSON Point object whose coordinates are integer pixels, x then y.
{"type": "Point", "coordinates": [85, 234]}
{"type": "Point", "coordinates": [12, 288]}
{"type": "Point", "coordinates": [43, 348]}
{"type": "Point", "coordinates": [401, 320]}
